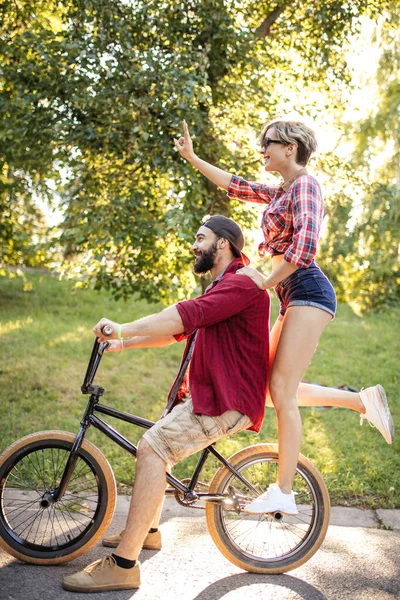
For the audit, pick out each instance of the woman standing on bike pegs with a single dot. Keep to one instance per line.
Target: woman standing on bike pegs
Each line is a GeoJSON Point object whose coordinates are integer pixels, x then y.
{"type": "Point", "coordinates": [291, 224]}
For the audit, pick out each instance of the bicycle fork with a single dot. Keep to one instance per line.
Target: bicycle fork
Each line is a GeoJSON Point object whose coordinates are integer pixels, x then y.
{"type": "Point", "coordinates": [53, 496]}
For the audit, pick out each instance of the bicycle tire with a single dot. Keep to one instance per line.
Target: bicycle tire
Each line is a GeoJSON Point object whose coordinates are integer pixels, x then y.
{"type": "Point", "coordinates": [68, 528]}
{"type": "Point", "coordinates": [259, 543]}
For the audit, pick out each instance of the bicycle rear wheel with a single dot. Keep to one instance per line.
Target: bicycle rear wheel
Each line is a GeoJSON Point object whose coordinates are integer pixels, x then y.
{"type": "Point", "coordinates": [264, 543]}
{"type": "Point", "coordinates": [37, 531]}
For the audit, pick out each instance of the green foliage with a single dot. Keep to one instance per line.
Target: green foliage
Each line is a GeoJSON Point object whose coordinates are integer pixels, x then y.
{"type": "Point", "coordinates": [361, 250]}
{"type": "Point", "coordinates": [26, 134]}
{"type": "Point", "coordinates": [94, 93]}
{"type": "Point", "coordinates": [23, 239]}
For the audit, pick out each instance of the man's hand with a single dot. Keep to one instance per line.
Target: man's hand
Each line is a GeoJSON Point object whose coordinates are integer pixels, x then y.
{"type": "Point", "coordinates": [100, 335]}
{"type": "Point", "coordinates": [184, 144]}
{"type": "Point", "coordinates": [254, 275]}
{"type": "Point", "coordinates": [114, 346]}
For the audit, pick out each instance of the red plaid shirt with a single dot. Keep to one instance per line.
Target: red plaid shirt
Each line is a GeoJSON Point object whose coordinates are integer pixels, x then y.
{"type": "Point", "coordinates": [292, 220]}
{"type": "Point", "coordinates": [229, 365]}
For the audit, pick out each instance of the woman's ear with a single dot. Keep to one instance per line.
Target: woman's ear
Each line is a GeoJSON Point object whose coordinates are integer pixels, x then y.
{"type": "Point", "coordinates": [290, 149]}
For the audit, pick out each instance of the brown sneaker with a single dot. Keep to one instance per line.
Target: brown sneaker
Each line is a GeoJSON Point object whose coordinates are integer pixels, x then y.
{"type": "Point", "coordinates": [103, 575]}
{"type": "Point", "coordinates": [152, 541]}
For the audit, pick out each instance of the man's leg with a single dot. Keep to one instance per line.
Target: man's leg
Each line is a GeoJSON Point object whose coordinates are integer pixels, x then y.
{"type": "Point", "coordinates": [146, 502]}
{"type": "Point", "coordinates": [175, 437]}
{"type": "Point", "coordinates": [153, 538]}
{"type": "Point", "coordinates": [120, 571]}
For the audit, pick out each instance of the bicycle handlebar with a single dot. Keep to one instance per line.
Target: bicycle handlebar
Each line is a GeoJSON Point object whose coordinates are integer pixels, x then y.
{"type": "Point", "coordinates": [94, 361]}
{"type": "Point", "coordinates": [106, 330]}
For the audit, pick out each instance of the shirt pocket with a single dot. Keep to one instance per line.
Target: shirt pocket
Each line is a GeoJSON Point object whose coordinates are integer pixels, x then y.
{"type": "Point", "coordinates": [274, 217]}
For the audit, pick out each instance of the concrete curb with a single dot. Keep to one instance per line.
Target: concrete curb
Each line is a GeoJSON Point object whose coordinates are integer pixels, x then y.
{"type": "Point", "coordinates": [341, 516]}
{"type": "Point", "coordinates": [389, 518]}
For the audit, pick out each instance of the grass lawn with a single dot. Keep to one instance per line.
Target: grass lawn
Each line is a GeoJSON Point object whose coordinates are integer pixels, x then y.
{"type": "Point", "coordinates": [46, 339]}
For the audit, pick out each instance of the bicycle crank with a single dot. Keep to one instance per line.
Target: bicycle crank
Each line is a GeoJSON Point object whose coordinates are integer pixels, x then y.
{"type": "Point", "coordinates": [190, 498]}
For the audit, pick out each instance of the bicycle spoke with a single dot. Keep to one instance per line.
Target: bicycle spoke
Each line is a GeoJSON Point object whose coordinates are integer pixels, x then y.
{"type": "Point", "coordinates": [45, 528]}
{"type": "Point", "coordinates": [72, 515]}
{"type": "Point", "coordinates": [24, 508]}
{"type": "Point", "coordinates": [85, 498]}
{"type": "Point", "coordinates": [72, 519]}
{"type": "Point", "coordinates": [87, 489]}
{"type": "Point", "coordinates": [263, 536]}
{"type": "Point", "coordinates": [59, 525]}
{"type": "Point", "coordinates": [80, 473]}
{"type": "Point", "coordinates": [60, 468]}
{"type": "Point", "coordinates": [24, 484]}
{"type": "Point", "coordinates": [34, 517]}
{"type": "Point", "coordinates": [34, 469]}
{"type": "Point", "coordinates": [52, 530]}
{"type": "Point", "coordinates": [52, 464]}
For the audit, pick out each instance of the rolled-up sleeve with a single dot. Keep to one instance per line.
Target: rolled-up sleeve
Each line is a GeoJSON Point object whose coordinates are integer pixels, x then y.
{"type": "Point", "coordinates": [250, 191]}
{"type": "Point", "coordinates": [308, 212]}
{"type": "Point", "coordinates": [230, 296]}
{"type": "Point", "coordinates": [179, 337]}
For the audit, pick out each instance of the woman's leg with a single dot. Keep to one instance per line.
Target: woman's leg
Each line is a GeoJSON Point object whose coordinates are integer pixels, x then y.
{"type": "Point", "coordinates": [274, 336]}
{"type": "Point", "coordinates": [317, 395]}
{"type": "Point", "coordinates": [309, 394]}
{"type": "Point", "coordinates": [299, 335]}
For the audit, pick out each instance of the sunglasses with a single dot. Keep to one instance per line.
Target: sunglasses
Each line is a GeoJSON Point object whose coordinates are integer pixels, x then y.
{"type": "Point", "coordinates": [268, 141]}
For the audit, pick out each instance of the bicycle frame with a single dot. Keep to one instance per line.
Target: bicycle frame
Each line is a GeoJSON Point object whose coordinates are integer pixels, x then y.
{"type": "Point", "coordinates": [91, 419]}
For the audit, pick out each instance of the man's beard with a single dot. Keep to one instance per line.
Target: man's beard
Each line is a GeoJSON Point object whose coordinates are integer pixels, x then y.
{"type": "Point", "coordinates": [205, 261]}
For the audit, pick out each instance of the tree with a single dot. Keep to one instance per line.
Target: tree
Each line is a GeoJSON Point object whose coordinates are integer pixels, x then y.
{"type": "Point", "coordinates": [364, 259]}
{"type": "Point", "coordinates": [26, 137]}
{"type": "Point", "coordinates": [97, 90]}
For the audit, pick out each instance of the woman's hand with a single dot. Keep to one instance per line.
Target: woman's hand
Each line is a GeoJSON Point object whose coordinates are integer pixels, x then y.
{"type": "Point", "coordinates": [185, 148]}
{"type": "Point", "coordinates": [115, 346]}
{"type": "Point", "coordinates": [254, 275]}
{"type": "Point", "coordinates": [184, 144]}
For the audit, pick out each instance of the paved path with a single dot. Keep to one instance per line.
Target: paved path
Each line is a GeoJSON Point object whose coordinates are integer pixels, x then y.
{"type": "Point", "coordinates": [357, 563]}
{"type": "Point", "coordinates": [340, 515]}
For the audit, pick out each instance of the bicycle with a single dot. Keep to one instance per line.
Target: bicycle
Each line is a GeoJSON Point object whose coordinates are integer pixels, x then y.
{"type": "Point", "coordinates": [58, 494]}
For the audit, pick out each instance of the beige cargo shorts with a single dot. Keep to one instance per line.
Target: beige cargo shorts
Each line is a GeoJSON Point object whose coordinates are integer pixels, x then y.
{"type": "Point", "coordinates": [182, 433]}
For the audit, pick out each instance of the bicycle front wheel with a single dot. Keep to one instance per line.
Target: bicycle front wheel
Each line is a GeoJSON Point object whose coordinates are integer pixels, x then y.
{"type": "Point", "coordinates": [267, 543]}
{"type": "Point", "coordinates": [34, 529]}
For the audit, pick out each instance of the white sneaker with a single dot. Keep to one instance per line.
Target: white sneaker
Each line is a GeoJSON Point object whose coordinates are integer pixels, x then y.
{"type": "Point", "coordinates": [273, 500]}
{"type": "Point", "coordinates": [377, 411]}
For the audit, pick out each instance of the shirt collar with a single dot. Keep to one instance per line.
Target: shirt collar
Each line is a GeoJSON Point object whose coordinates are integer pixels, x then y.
{"type": "Point", "coordinates": [233, 266]}
{"type": "Point", "coordinates": [286, 184]}
{"type": "Point", "coordinates": [220, 275]}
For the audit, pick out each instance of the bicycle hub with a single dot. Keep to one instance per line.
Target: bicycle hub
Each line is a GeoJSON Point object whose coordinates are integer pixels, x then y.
{"type": "Point", "coordinates": [47, 500]}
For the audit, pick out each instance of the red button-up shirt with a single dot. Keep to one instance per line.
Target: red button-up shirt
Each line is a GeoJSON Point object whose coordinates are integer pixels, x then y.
{"type": "Point", "coordinates": [292, 220]}
{"type": "Point", "coordinates": [229, 365]}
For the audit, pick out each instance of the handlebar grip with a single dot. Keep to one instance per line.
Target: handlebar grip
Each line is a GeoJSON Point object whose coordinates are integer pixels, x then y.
{"type": "Point", "coordinates": [106, 330]}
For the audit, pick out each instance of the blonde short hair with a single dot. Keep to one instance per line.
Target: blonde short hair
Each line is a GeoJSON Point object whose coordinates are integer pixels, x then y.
{"type": "Point", "coordinates": [294, 132]}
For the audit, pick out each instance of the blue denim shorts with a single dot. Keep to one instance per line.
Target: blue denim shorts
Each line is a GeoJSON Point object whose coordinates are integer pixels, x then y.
{"type": "Point", "coordinates": [306, 287]}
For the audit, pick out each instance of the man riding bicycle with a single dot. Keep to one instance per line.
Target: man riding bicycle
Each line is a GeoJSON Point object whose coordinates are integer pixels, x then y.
{"type": "Point", "coordinates": [221, 393]}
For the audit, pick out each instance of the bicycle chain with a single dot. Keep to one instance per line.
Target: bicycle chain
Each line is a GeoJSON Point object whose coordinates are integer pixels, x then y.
{"type": "Point", "coordinates": [180, 498]}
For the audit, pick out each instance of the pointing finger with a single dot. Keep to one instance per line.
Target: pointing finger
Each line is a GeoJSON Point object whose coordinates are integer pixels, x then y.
{"type": "Point", "coordinates": [186, 132]}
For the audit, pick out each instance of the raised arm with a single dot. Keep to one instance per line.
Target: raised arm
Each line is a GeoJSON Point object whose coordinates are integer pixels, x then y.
{"type": "Point", "coordinates": [237, 187]}
{"type": "Point", "coordinates": [185, 148]}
